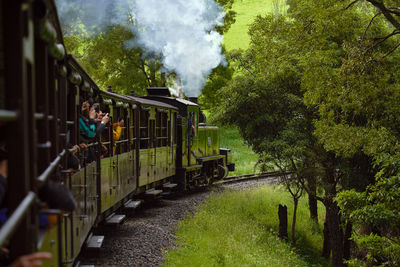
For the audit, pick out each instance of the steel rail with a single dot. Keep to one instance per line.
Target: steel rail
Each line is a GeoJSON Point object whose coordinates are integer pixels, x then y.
{"type": "Point", "coordinates": [254, 176]}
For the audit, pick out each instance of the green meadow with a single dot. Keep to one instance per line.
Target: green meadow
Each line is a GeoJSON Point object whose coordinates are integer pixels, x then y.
{"type": "Point", "coordinates": [247, 10]}
{"type": "Point", "coordinates": [242, 155]}
{"type": "Point", "coordinates": [239, 228]}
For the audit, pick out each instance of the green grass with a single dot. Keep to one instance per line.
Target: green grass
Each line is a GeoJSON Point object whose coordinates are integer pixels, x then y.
{"type": "Point", "coordinates": [239, 228]}
{"type": "Point", "coordinates": [247, 10]}
{"type": "Point", "coordinates": [242, 155]}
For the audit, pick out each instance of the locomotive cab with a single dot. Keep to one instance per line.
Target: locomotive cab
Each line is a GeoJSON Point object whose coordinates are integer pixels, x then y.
{"type": "Point", "coordinates": [200, 161]}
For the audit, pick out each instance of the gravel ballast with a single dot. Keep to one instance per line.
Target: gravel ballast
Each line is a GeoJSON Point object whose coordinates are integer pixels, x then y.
{"type": "Point", "coordinates": [148, 233]}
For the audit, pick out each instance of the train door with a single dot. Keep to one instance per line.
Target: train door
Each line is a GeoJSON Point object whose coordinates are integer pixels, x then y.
{"type": "Point", "coordinates": [106, 159]}
{"type": "Point", "coordinates": [144, 135]}
{"type": "Point", "coordinates": [132, 148]}
{"type": "Point", "coordinates": [152, 151]}
{"type": "Point", "coordinates": [170, 144]}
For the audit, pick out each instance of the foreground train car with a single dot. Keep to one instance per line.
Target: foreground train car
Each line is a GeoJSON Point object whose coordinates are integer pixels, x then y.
{"type": "Point", "coordinates": [164, 145]}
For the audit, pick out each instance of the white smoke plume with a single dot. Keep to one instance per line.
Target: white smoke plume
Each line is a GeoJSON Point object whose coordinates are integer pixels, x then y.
{"type": "Point", "coordinates": [182, 32]}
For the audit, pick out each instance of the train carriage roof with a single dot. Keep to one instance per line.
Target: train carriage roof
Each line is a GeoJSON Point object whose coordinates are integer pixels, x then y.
{"type": "Point", "coordinates": [162, 94]}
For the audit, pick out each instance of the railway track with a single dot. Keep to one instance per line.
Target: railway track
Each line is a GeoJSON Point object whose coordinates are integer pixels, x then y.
{"type": "Point", "coordinates": [254, 176]}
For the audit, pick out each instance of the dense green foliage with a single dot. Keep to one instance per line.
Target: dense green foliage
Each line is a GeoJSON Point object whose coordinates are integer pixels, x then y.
{"type": "Point", "coordinates": [240, 229]}
{"type": "Point", "coordinates": [104, 53]}
{"type": "Point", "coordinates": [318, 93]}
{"type": "Point", "coordinates": [243, 156]}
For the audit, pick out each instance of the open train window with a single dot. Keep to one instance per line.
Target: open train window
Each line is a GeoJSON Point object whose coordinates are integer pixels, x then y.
{"type": "Point", "coordinates": [105, 138]}
{"type": "Point", "coordinates": [144, 129]}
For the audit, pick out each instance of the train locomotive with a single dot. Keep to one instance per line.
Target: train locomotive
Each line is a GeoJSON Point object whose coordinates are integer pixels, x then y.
{"type": "Point", "coordinates": [165, 144]}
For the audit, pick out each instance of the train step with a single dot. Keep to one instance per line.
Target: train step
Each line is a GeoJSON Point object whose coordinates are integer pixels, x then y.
{"type": "Point", "coordinates": [85, 265]}
{"type": "Point", "coordinates": [133, 204]}
{"type": "Point", "coordinates": [95, 241]}
{"type": "Point", "coordinates": [114, 219]}
{"type": "Point", "coordinates": [169, 185]}
{"type": "Point", "coordinates": [153, 193]}
{"type": "Point", "coordinates": [166, 194]}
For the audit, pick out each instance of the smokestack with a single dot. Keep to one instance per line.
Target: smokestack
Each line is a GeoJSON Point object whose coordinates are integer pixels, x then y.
{"type": "Point", "coordinates": [132, 93]}
{"type": "Point", "coordinates": [109, 89]}
{"type": "Point", "coordinates": [194, 99]}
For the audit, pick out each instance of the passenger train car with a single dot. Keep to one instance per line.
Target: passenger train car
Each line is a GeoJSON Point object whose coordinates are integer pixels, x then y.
{"type": "Point", "coordinates": [165, 144]}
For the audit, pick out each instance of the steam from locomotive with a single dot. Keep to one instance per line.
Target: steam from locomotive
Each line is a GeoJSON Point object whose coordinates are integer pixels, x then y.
{"type": "Point", "coordinates": [180, 31]}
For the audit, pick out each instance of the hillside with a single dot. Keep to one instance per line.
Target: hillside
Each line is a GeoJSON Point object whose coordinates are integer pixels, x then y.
{"type": "Point", "coordinates": [247, 10]}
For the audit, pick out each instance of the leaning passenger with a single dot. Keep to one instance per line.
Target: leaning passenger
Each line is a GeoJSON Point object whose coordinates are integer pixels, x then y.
{"type": "Point", "coordinates": [87, 124]}
{"type": "Point", "coordinates": [117, 130]}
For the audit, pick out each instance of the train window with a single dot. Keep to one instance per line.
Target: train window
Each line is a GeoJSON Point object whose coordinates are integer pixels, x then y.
{"type": "Point", "coordinates": [144, 129]}
{"type": "Point", "coordinates": [158, 129]}
{"type": "Point", "coordinates": [174, 129]}
{"type": "Point", "coordinates": [161, 128]}
{"type": "Point", "coordinates": [105, 135]}
{"type": "Point", "coordinates": [164, 123]}
{"type": "Point", "coordinates": [132, 135]}
{"type": "Point", "coordinates": [117, 132]}
{"type": "Point", "coordinates": [169, 132]}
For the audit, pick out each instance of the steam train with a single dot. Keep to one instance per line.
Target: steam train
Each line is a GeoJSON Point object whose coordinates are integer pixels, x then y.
{"type": "Point", "coordinates": [165, 144]}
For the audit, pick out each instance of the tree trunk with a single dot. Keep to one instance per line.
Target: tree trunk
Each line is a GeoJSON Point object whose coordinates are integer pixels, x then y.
{"type": "Point", "coordinates": [326, 249]}
{"type": "Point", "coordinates": [296, 202]}
{"type": "Point", "coordinates": [335, 232]}
{"type": "Point", "coordinates": [312, 200]}
{"type": "Point", "coordinates": [282, 213]}
{"type": "Point", "coordinates": [347, 241]}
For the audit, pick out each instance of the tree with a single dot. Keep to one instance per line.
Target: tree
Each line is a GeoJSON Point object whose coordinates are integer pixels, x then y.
{"type": "Point", "coordinates": [319, 55]}
{"type": "Point", "coordinates": [104, 54]}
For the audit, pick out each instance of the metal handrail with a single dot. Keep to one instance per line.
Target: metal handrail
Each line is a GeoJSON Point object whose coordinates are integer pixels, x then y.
{"type": "Point", "coordinates": [122, 141]}
{"type": "Point", "coordinates": [39, 116]}
{"type": "Point", "coordinates": [92, 144]}
{"type": "Point", "coordinates": [46, 174]}
{"type": "Point", "coordinates": [15, 219]}
{"type": "Point", "coordinates": [8, 115]}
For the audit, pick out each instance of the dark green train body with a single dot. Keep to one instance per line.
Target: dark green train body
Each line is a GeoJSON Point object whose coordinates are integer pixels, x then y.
{"type": "Point", "coordinates": [164, 145]}
{"type": "Point", "coordinates": [200, 160]}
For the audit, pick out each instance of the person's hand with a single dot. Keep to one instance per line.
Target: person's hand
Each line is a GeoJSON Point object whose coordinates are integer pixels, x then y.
{"type": "Point", "coordinates": [76, 149]}
{"type": "Point", "coordinates": [85, 106]}
{"type": "Point", "coordinates": [92, 113]}
{"type": "Point", "coordinates": [105, 119]}
{"type": "Point", "coordinates": [83, 146]}
{"type": "Point", "coordinates": [31, 260]}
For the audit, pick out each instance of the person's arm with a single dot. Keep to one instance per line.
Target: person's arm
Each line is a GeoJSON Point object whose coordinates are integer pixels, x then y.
{"type": "Point", "coordinates": [31, 260]}
{"type": "Point", "coordinates": [88, 131]}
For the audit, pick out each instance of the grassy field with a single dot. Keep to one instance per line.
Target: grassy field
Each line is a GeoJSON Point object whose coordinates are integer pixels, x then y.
{"type": "Point", "coordinates": [242, 155]}
{"type": "Point", "coordinates": [247, 10]}
{"type": "Point", "coordinates": [240, 229]}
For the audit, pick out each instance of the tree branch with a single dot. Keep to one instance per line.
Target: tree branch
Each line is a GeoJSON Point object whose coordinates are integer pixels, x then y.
{"type": "Point", "coordinates": [391, 51]}
{"type": "Point", "coordinates": [386, 12]}
{"type": "Point", "coordinates": [351, 4]}
{"type": "Point", "coordinates": [370, 23]}
{"type": "Point", "coordinates": [383, 39]}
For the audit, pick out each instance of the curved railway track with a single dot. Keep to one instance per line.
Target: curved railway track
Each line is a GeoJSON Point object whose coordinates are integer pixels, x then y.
{"type": "Point", "coordinates": [148, 232]}
{"type": "Point", "coordinates": [246, 177]}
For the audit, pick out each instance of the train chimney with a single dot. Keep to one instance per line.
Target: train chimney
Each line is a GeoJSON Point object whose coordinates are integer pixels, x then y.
{"type": "Point", "coordinates": [109, 89]}
{"type": "Point", "coordinates": [132, 93]}
{"type": "Point", "coordinates": [193, 99]}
